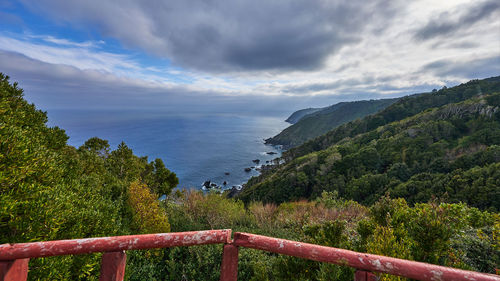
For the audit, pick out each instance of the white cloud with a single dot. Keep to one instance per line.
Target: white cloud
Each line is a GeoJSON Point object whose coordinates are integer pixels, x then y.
{"type": "Point", "coordinates": [65, 42]}
{"type": "Point", "coordinates": [385, 59]}
{"type": "Point", "coordinates": [226, 35]}
{"type": "Point", "coordinates": [79, 55]}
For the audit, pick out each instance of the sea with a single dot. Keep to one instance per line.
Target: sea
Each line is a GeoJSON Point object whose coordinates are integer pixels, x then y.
{"type": "Point", "coordinates": [198, 147]}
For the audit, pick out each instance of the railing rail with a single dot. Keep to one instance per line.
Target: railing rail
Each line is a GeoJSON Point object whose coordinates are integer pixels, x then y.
{"type": "Point", "coordinates": [14, 258]}
{"type": "Point", "coordinates": [113, 244]}
{"type": "Point", "coordinates": [361, 261]}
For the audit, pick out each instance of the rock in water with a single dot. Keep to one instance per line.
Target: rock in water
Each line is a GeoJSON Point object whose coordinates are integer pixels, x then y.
{"type": "Point", "coordinates": [234, 191]}
{"type": "Point", "coordinates": [206, 184]}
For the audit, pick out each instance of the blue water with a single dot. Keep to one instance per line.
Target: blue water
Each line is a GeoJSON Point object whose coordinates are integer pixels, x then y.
{"type": "Point", "coordinates": [197, 147]}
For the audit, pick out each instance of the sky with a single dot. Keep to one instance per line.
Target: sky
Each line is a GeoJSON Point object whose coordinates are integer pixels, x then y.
{"type": "Point", "coordinates": [242, 56]}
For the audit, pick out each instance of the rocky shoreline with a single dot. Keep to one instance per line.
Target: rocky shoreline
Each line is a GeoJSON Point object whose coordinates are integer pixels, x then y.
{"type": "Point", "coordinates": [210, 185]}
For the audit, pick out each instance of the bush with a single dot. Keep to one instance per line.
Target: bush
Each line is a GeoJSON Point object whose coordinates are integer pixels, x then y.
{"type": "Point", "coordinates": [147, 214]}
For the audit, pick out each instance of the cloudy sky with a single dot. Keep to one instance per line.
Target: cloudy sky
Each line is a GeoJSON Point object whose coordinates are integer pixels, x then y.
{"type": "Point", "coordinates": [244, 55]}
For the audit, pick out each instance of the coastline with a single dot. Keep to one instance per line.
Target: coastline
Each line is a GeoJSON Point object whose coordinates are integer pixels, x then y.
{"type": "Point", "coordinates": [255, 168]}
{"type": "Point", "coordinates": [196, 148]}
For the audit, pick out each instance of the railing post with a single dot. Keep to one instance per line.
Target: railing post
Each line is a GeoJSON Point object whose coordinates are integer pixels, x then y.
{"type": "Point", "coordinates": [362, 275]}
{"type": "Point", "coordinates": [113, 266]}
{"type": "Point", "coordinates": [14, 270]}
{"type": "Point", "coordinates": [229, 267]}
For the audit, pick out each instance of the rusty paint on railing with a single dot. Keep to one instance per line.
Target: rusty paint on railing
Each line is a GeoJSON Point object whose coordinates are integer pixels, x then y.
{"type": "Point", "coordinates": [14, 257]}
{"type": "Point", "coordinates": [15, 270]}
{"type": "Point", "coordinates": [229, 266]}
{"type": "Point", "coordinates": [113, 266]}
{"type": "Point", "coordinates": [368, 262]}
{"type": "Point", "coordinates": [113, 244]}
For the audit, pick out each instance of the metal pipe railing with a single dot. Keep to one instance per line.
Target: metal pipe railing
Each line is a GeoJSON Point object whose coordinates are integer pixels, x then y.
{"type": "Point", "coordinates": [14, 258]}
{"type": "Point", "coordinates": [113, 244]}
{"type": "Point", "coordinates": [366, 262]}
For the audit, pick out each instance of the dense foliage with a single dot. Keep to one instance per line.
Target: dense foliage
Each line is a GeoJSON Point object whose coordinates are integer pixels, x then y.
{"type": "Point", "coordinates": [403, 108]}
{"type": "Point", "coordinates": [49, 190]}
{"type": "Point", "coordinates": [318, 122]}
{"type": "Point", "coordinates": [447, 234]}
{"type": "Point", "coordinates": [450, 152]}
{"type": "Point", "coordinates": [299, 114]}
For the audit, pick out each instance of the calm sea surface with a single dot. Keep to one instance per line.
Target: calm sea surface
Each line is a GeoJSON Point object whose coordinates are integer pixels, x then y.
{"type": "Point", "coordinates": [197, 147]}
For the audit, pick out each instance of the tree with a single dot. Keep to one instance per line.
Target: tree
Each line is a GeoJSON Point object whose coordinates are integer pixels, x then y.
{"type": "Point", "coordinates": [97, 145]}
{"type": "Point", "coordinates": [148, 216]}
{"type": "Point", "coordinates": [124, 164]}
{"type": "Point", "coordinates": [160, 179]}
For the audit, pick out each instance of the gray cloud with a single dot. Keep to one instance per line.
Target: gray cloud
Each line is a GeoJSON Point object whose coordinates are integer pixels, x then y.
{"type": "Point", "coordinates": [446, 23]}
{"type": "Point", "coordinates": [62, 87]}
{"type": "Point", "coordinates": [315, 87]}
{"type": "Point", "coordinates": [54, 87]}
{"type": "Point", "coordinates": [456, 45]}
{"type": "Point", "coordinates": [229, 35]}
{"type": "Point", "coordinates": [57, 86]}
{"type": "Point", "coordinates": [366, 82]}
{"type": "Point", "coordinates": [478, 68]}
{"type": "Point", "coordinates": [346, 66]}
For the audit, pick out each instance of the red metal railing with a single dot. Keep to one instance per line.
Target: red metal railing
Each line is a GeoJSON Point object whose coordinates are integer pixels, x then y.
{"type": "Point", "coordinates": [14, 258]}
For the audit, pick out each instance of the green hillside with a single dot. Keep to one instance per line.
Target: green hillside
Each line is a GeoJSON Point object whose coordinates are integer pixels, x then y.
{"type": "Point", "coordinates": [50, 190]}
{"type": "Point", "coordinates": [321, 121]}
{"type": "Point", "coordinates": [404, 107]}
{"type": "Point", "coordinates": [299, 114]}
{"type": "Point", "coordinates": [449, 152]}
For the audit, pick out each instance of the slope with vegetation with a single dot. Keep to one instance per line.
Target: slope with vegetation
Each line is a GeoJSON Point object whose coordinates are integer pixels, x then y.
{"type": "Point", "coordinates": [325, 119]}
{"type": "Point", "coordinates": [451, 152]}
{"type": "Point", "coordinates": [49, 190]}
{"type": "Point", "coordinates": [404, 107]}
{"type": "Point", "coordinates": [299, 114]}
{"type": "Point", "coordinates": [447, 234]}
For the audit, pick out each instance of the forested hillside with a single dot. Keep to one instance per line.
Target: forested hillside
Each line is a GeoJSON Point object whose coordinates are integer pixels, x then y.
{"type": "Point", "coordinates": [321, 121]}
{"type": "Point", "coordinates": [404, 107]}
{"type": "Point", "coordinates": [299, 114]}
{"type": "Point", "coordinates": [50, 190]}
{"type": "Point", "coordinates": [450, 152]}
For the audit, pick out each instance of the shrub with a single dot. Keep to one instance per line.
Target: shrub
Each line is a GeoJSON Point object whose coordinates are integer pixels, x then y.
{"type": "Point", "coordinates": [147, 215]}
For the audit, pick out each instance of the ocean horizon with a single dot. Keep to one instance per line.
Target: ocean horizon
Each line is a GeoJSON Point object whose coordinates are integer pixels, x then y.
{"type": "Point", "coordinates": [198, 147]}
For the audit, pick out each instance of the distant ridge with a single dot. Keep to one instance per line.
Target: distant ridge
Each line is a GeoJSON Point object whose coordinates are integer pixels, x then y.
{"type": "Point", "coordinates": [299, 114]}
{"type": "Point", "coordinates": [313, 122]}
{"type": "Point", "coordinates": [442, 145]}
